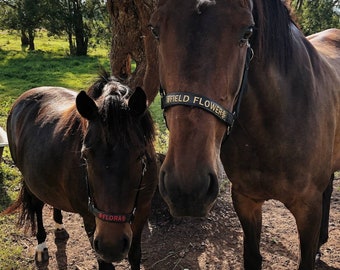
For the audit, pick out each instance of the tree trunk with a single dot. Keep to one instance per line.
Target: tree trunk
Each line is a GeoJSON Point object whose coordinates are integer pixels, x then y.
{"type": "Point", "coordinates": [79, 29]}
{"type": "Point", "coordinates": [31, 46]}
{"type": "Point", "coordinates": [76, 28]}
{"type": "Point", "coordinates": [70, 42]}
{"type": "Point", "coordinates": [24, 39]}
{"type": "Point", "coordinates": [132, 41]}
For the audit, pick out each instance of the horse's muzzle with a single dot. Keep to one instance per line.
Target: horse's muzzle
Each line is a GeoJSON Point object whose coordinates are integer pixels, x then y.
{"type": "Point", "coordinates": [187, 196]}
{"type": "Point", "coordinates": [112, 253]}
{"type": "Point", "coordinates": [112, 242]}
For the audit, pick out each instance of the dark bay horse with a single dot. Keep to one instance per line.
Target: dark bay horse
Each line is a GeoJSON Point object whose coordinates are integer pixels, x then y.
{"type": "Point", "coordinates": [91, 154]}
{"type": "Point", "coordinates": [282, 142]}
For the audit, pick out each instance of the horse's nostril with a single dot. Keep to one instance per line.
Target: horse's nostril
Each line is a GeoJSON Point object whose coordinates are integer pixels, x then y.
{"type": "Point", "coordinates": [125, 244]}
{"type": "Point", "coordinates": [213, 184]}
{"type": "Point", "coordinates": [162, 187]}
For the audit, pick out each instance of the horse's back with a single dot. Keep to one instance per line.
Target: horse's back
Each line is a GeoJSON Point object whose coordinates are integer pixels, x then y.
{"type": "Point", "coordinates": [327, 44]}
{"type": "Point", "coordinates": [35, 107]}
{"type": "Point", "coordinates": [39, 144]}
{"type": "Point", "coordinates": [331, 37]}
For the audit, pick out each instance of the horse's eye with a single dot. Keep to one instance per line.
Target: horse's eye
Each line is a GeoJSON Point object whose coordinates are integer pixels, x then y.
{"type": "Point", "coordinates": [246, 35]}
{"type": "Point", "coordinates": [154, 31]}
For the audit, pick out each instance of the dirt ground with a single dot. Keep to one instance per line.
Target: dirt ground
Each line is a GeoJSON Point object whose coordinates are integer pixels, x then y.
{"type": "Point", "coordinates": [213, 243]}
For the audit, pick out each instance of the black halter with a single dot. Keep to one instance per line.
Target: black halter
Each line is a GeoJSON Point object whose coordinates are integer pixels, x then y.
{"type": "Point", "coordinates": [114, 217]}
{"type": "Point", "coordinates": [191, 99]}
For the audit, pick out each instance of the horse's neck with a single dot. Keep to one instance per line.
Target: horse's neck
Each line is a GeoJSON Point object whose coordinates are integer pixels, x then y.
{"type": "Point", "coordinates": [285, 92]}
{"type": "Point", "coordinates": [299, 71]}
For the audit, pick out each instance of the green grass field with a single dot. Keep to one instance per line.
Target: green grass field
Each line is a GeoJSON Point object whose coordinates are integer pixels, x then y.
{"type": "Point", "coordinates": [21, 70]}
{"type": "Point", "coordinates": [48, 65]}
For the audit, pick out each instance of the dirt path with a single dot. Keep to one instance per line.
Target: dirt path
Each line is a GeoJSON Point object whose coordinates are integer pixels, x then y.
{"type": "Point", "coordinates": [212, 243]}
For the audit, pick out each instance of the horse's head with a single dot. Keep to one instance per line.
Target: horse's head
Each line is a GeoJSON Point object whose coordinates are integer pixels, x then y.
{"type": "Point", "coordinates": [203, 47]}
{"type": "Point", "coordinates": [115, 143]}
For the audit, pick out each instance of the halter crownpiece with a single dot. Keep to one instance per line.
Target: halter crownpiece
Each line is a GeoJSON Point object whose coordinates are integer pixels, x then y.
{"type": "Point", "coordinates": [195, 100]}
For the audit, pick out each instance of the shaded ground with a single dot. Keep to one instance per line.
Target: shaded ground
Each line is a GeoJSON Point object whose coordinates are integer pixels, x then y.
{"type": "Point", "coordinates": [212, 243]}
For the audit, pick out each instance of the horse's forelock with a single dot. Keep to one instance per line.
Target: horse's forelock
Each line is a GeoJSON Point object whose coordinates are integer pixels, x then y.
{"type": "Point", "coordinates": [121, 125]}
{"type": "Point", "coordinates": [96, 89]}
{"type": "Point", "coordinates": [113, 87]}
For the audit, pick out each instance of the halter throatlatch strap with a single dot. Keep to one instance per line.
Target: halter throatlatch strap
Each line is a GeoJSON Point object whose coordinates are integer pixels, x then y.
{"type": "Point", "coordinates": [196, 100]}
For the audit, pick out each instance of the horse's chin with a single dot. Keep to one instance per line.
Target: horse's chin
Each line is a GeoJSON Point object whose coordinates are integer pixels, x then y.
{"type": "Point", "coordinates": [111, 259]}
{"type": "Point", "coordinates": [189, 210]}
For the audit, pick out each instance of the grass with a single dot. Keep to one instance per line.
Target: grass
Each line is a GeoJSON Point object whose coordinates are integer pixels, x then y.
{"type": "Point", "coordinates": [21, 70]}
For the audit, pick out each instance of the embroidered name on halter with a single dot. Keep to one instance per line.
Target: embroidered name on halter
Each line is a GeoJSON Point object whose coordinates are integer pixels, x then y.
{"type": "Point", "coordinates": [112, 218]}
{"type": "Point", "coordinates": [190, 99]}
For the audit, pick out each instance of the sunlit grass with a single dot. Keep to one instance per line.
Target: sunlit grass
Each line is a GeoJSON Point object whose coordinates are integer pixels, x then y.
{"type": "Point", "coordinates": [49, 64]}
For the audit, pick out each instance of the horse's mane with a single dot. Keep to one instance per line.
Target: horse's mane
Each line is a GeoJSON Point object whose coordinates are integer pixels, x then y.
{"type": "Point", "coordinates": [120, 123]}
{"type": "Point", "coordinates": [272, 40]}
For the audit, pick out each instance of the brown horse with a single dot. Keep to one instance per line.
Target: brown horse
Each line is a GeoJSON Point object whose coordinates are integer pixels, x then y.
{"type": "Point", "coordinates": [91, 154]}
{"type": "Point", "coordinates": [281, 143]}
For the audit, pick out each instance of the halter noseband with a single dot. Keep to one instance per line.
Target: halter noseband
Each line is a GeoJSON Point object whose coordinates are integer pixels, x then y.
{"type": "Point", "coordinates": [116, 218]}
{"type": "Point", "coordinates": [195, 100]}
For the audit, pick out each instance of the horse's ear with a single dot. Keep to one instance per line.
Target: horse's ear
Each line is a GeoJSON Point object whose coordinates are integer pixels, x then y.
{"type": "Point", "coordinates": [137, 102]}
{"type": "Point", "coordinates": [86, 106]}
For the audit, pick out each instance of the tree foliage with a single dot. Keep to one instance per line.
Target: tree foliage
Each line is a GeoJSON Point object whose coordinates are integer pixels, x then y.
{"type": "Point", "coordinates": [78, 19]}
{"type": "Point", "coordinates": [23, 15]}
{"type": "Point", "coordinates": [81, 20]}
{"type": "Point", "coordinates": [317, 15]}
